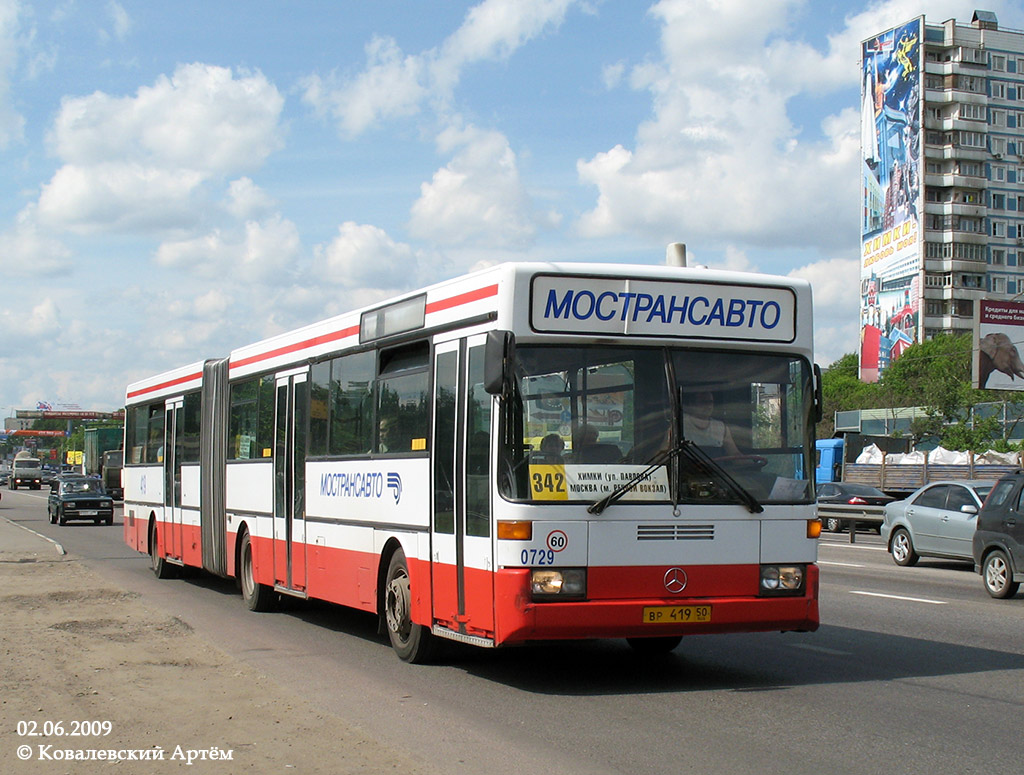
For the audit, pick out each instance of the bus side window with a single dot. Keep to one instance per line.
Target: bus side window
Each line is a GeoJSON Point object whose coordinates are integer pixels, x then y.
{"type": "Point", "coordinates": [402, 405]}
{"type": "Point", "coordinates": [478, 423]}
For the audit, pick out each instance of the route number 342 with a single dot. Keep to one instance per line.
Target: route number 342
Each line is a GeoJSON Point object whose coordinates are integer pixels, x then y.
{"type": "Point", "coordinates": [548, 483]}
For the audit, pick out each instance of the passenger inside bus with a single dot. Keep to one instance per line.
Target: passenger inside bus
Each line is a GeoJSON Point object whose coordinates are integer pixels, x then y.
{"type": "Point", "coordinates": [587, 449]}
{"type": "Point", "coordinates": [551, 448]}
{"type": "Point", "coordinates": [711, 435]}
{"type": "Point", "coordinates": [389, 436]}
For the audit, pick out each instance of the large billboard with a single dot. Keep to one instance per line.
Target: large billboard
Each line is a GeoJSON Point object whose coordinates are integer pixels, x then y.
{"type": "Point", "coordinates": [998, 331]}
{"type": "Point", "coordinates": [892, 232]}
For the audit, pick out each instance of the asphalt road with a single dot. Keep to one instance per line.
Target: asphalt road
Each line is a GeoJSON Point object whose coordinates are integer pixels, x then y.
{"type": "Point", "coordinates": [914, 670]}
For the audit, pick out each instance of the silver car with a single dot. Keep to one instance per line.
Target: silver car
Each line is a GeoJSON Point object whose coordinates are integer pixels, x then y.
{"type": "Point", "coordinates": [938, 520]}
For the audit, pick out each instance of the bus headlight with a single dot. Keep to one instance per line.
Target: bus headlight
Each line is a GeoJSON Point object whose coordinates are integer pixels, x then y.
{"type": "Point", "coordinates": [782, 579]}
{"type": "Point", "coordinates": [561, 583]}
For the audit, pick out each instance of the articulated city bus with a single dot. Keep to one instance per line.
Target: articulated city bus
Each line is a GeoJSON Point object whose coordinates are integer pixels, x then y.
{"type": "Point", "coordinates": [531, 452]}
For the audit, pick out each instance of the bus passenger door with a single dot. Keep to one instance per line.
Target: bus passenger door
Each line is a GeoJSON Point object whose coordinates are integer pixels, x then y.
{"type": "Point", "coordinates": [462, 562]}
{"type": "Point", "coordinates": [290, 429]}
{"type": "Point", "coordinates": [173, 427]}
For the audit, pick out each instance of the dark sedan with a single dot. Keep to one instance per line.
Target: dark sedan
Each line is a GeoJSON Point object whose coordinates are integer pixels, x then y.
{"type": "Point", "coordinates": [79, 497]}
{"type": "Point", "coordinates": [846, 494]}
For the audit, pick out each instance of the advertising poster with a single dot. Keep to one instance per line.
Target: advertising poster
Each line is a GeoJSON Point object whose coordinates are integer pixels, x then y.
{"type": "Point", "coordinates": [891, 174]}
{"type": "Point", "coordinates": [999, 331]}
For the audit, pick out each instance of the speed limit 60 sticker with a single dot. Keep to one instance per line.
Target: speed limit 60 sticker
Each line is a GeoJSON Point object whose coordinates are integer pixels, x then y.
{"type": "Point", "coordinates": [557, 540]}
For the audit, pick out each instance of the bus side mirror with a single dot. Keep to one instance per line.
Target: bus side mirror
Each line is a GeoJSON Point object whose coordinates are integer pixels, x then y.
{"type": "Point", "coordinates": [498, 358]}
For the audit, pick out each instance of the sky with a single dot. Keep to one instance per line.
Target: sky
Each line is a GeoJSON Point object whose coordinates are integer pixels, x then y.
{"type": "Point", "coordinates": [181, 179]}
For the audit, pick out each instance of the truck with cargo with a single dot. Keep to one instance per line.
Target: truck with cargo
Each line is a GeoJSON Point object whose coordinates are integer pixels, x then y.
{"type": "Point", "coordinates": [897, 472]}
{"type": "Point", "coordinates": [26, 471]}
{"type": "Point", "coordinates": [102, 457]}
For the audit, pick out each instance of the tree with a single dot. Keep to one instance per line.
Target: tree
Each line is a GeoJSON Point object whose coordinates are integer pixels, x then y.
{"type": "Point", "coordinates": [842, 390]}
{"type": "Point", "coordinates": [936, 375]}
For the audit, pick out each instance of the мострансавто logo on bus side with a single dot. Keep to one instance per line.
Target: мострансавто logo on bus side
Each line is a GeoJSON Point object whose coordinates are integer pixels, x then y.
{"type": "Point", "coordinates": [360, 484]}
{"type": "Point", "coordinates": [662, 308]}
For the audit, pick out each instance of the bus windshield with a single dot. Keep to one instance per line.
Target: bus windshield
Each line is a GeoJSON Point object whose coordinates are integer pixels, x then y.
{"type": "Point", "coordinates": [585, 420]}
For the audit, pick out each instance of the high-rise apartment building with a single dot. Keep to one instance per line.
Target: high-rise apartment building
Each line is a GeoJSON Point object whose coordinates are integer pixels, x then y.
{"type": "Point", "coordinates": [942, 142]}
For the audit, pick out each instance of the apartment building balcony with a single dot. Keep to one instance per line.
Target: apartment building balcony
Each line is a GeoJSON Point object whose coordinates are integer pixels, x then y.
{"type": "Point", "coordinates": [946, 96]}
{"type": "Point", "coordinates": [954, 180]}
{"type": "Point", "coordinates": [952, 235]}
{"type": "Point", "coordinates": [949, 323]}
{"type": "Point", "coordinates": [955, 123]}
{"type": "Point", "coordinates": [951, 152]}
{"type": "Point", "coordinates": [953, 295]}
{"type": "Point", "coordinates": [955, 208]}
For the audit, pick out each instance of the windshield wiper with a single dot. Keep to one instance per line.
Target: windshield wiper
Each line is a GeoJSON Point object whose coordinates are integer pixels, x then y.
{"type": "Point", "coordinates": [701, 461]}
{"type": "Point", "coordinates": [659, 459]}
{"type": "Point", "coordinates": [707, 466]}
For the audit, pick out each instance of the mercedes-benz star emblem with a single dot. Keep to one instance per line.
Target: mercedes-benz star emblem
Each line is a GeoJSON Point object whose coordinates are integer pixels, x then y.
{"type": "Point", "coordinates": [675, 580]}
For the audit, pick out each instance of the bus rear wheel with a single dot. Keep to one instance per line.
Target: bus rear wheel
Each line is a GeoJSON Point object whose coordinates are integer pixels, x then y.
{"type": "Point", "coordinates": [412, 642]}
{"type": "Point", "coordinates": [258, 597]}
{"type": "Point", "coordinates": [161, 568]}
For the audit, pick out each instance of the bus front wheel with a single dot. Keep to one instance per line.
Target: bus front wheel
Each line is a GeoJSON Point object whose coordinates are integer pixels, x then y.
{"type": "Point", "coordinates": [412, 642]}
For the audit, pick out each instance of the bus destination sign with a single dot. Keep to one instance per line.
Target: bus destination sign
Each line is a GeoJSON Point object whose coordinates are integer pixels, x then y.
{"type": "Point", "coordinates": [587, 305]}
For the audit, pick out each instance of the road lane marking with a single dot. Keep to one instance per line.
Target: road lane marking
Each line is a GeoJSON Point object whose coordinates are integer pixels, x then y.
{"type": "Point", "coordinates": [899, 597]}
{"type": "Point", "coordinates": [841, 564]}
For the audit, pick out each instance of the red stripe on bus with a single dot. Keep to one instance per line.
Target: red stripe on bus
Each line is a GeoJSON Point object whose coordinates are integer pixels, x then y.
{"type": "Point", "coordinates": [437, 306]}
{"type": "Point", "coordinates": [162, 385]}
{"type": "Point", "coordinates": [316, 340]}
{"type": "Point", "coordinates": [463, 298]}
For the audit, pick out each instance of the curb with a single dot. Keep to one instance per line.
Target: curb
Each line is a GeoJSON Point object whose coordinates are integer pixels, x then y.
{"type": "Point", "coordinates": [60, 549]}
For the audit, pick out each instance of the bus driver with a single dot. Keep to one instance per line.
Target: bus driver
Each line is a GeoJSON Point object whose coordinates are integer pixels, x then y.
{"type": "Point", "coordinates": [702, 429]}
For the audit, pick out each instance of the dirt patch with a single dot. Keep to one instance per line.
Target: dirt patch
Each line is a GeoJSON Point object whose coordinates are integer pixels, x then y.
{"type": "Point", "coordinates": [99, 655]}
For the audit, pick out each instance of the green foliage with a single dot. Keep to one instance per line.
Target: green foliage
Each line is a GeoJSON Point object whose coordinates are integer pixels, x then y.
{"type": "Point", "coordinates": [842, 390]}
{"type": "Point", "coordinates": [936, 375]}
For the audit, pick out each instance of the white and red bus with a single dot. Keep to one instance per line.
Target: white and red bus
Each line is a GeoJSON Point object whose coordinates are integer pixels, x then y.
{"type": "Point", "coordinates": [530, 452]}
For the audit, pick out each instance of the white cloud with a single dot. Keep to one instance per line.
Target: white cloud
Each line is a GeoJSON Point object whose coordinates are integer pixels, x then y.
{"type": "Point", "coordinates": [733, 259]}
{"type": "Point", "coordinates": [835, 284]}
{"type": "Point", "coordinates": [43, 321]}
{"type": "Point", "coordinates": [262, 251]}
{"type": "Point", "coordinates": [720, 160]}
{"type": "Point", "coordinates": [119, 197]}
{"type": "Point", "coordinates": [246, 200]}
{"type": "Point", "coordinates": [612, 75]}
{"type": "Point", "coordinates": [390, 87]}
{"type": "Point", "coordinates": [201, 118]}
{"type": "Point", "coordinates": [12, 123]}
{"type": "Point", "coordinates": [394, 84]}
{"type": "Point", "coordinates": [140, 162]}
{"type": "Point", "coordinates": [26, 250]}
{"type": "Point", "coordinates": [365, 256]}
{"type": "Point", "coordinates": [494, 29]}
{"type": "Point", "coordinates": [28, 329]}
{"type": "Point", "coordinates": [119, 17]}
{"type": "Point", "coordinates": [478, 197]}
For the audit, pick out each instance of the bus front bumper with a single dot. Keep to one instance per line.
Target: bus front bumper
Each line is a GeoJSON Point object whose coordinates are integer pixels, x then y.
{"type": "Point", "coordinates": [526, 620]}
